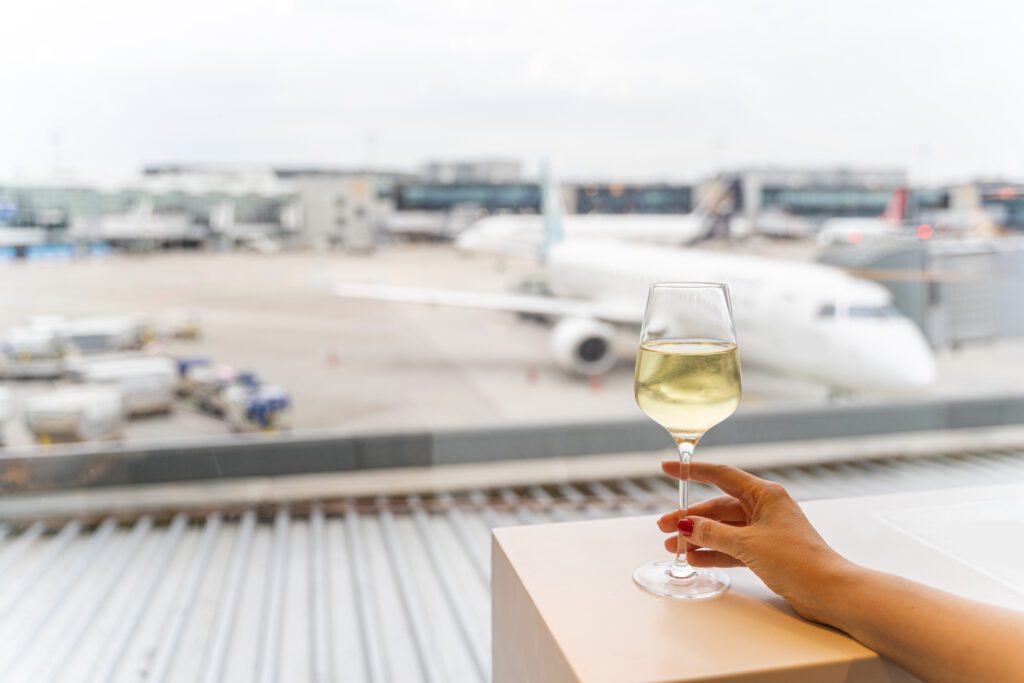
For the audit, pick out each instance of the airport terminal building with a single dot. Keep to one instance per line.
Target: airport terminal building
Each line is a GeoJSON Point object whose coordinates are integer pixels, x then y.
{"type": "Point", "coordinates": [1002, 200]}
{"type": "Point", "coordinates": [164, 206]}
{"type": "Point", "coordinates": [323, 207]}
{"type": "Point", "coordinates": [816, 193]}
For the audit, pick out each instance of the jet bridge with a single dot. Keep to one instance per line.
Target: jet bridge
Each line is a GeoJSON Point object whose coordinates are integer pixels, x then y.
{"type": "Point", "coordinates": [957, 291]}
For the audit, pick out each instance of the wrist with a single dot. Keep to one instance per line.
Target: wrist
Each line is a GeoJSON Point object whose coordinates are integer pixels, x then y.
{"type": "Point", "coordinates": [832, 588]}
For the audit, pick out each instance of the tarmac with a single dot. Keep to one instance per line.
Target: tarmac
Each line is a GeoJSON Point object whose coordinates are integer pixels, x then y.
{"type": "Point", "coordinates": [365, 365]}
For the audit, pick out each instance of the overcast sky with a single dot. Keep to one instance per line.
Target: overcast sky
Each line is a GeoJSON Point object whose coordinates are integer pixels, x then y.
{"type": "Point", "coordinates": [658, 89]}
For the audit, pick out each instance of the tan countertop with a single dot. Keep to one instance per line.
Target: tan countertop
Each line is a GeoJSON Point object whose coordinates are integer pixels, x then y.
{"type": "Point", "coordinates": [565, 607]}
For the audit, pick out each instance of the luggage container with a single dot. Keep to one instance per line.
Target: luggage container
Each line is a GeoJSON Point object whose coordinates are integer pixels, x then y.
{"type": "Point", "coordinates": [77, 413]}
{"type": "Point", "coordinates": [206, 386]}
{"type": "Point", "coordinates": [271, 408]}
{"type": "Point", "coordinates": [100, 335]}
{"type": "Point", "coordinates": [28, 353]}
{"type": "Point", "coordinates": [265, 407]}
{"type": "Point", "coordinates": [180, 325]}
{"type": "Point", "coordinates": [76, 367]}
{"type": "Point", "coordinates": [147, 384]}
{"type": "Point", "coordinates": [186, 369]}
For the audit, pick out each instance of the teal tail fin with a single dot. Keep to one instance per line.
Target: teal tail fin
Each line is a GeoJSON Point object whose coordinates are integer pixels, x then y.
{"type": "Point", "coordinates": [551, 205]}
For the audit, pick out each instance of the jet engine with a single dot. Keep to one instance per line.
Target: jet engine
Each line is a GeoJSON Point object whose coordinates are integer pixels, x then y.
{"type": "Point", "coordinates": [583, 346]}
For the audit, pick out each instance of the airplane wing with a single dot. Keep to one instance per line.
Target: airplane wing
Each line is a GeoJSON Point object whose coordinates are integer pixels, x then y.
{"type": "Point", "coordinates": [511, 303]}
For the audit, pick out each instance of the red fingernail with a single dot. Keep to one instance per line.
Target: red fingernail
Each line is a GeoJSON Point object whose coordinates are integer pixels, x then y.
{"type": "Point", "coordinates": [685, 526]}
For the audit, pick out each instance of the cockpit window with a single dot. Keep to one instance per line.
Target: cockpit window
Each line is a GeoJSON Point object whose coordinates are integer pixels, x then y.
{"type": "Point", "coordinates": [832, 311]}
{"type": "Point", "coordinates": [873, 312]}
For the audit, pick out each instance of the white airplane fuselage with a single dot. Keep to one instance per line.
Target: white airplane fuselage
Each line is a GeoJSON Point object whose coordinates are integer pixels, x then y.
{"type": "Point", "coordinates": [800, 318]}
{"type": "Point", "coordinates": [519, 235]}
{"type": "Point", "coordinates": [854, 230]}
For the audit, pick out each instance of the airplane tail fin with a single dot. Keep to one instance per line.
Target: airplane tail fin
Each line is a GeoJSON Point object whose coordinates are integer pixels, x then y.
{"type": "Point", "coordinates": [716, 206]}
{"type": "Point", "coordinates": [896, 210]}
{"type": "Point", "coordinates": [551, 206]}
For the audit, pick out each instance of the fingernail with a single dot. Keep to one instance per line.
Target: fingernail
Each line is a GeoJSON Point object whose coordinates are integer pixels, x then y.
{"type": "Point", "coordinates": [685, 526]}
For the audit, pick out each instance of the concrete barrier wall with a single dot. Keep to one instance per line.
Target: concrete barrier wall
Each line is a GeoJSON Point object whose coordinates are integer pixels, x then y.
{"type": "Point", "coordinates": [257, 455]}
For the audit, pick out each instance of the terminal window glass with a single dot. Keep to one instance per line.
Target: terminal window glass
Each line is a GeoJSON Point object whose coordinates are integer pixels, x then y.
{"type": "Point", "coordinates": [658, 199]}
{"type": "Point", "coordinates": [827, 201]}
{"type": "Point", "coordinates": [521, 197]}
{"type": "Point", "coordinates": [873, 312]}
{"type": "Point", "coordinates": [1009, 213]}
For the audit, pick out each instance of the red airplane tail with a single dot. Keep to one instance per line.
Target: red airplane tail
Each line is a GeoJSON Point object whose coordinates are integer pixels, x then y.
{"type": "Point", "coordinates": [896, 210]}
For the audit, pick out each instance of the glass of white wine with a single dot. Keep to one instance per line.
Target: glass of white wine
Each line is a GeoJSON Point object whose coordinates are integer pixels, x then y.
{"type": "Point", "coordinates": [687, 380]}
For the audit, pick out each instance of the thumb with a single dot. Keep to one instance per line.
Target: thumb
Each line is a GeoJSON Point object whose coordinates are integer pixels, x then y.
{"type": "Point", "coordinates": [711, 534]}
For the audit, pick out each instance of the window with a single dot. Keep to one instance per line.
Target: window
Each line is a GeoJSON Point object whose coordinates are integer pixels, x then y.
{"type": "Point", "coordinates": [873, 312]}
{"type": "Point", "coordinates": [518, 197]}
{"type": "Point", "coordinates": [819, 201]}
{"type": "Point", "coordinates": [617, 198]}
{"type": "Point", "coordinates": [322, 289]}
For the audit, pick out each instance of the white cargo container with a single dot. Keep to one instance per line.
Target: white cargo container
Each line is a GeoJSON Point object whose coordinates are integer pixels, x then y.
{"type": "Point", "coordinates": [76, 367]}
{"type": "Point", "coordinates": [273, 408]}
{"type": "Point", "coordinates": [29, 353]}
{"type": "Point", "coordinates": [99, 335]}
{"type": "Point", "coordinates": [147, 384]}
{"type": "Point", "coordinates": [188, 371]}
{"type": "Point", "coordinates": [180, 325]}
{"type": "Point", "coordinates": [257, 407]}
{"type": "Point", "coordinates": [76, 414]}
{"type": "Point", "coordinates": [206, 384]}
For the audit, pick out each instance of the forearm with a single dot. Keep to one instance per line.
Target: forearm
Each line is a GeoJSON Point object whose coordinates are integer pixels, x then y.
{"type": "Point", "coordinates": [936, 636]}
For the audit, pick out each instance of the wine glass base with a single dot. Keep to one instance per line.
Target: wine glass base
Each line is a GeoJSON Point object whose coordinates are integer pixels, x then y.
{"type": "Point", "coordinates": [654, 577]}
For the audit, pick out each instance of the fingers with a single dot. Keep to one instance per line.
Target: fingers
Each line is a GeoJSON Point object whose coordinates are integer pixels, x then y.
{"type": "Point", "coordinates": [717, 536]}
{"type": "Point", "coordinates": [672, 544]}
{"type": "Point", "coordinates": [702, 557]}
{"type": "Point", "coordinates": [668, 521]}
{"type": "Point", "coordinates": [711, 558]}
{"type": "Point", "coordinates": [724, 509]}
{"type": "Point", "coordinates": [735, 482]}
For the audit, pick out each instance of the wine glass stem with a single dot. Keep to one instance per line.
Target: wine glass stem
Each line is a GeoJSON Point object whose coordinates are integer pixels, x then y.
{"type": "Point", "coordinates": [681, 569]}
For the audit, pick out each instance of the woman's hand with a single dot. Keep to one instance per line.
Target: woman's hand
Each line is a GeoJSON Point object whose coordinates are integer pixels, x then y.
{"type": "Point", "coordinates": [759, 526]}
{"type": "Point", "coordinates": [938, 637]}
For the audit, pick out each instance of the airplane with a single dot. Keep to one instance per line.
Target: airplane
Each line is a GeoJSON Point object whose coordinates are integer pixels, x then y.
{"type": "Point", "coordinates": [800, 319]}
{"type": "Point", "coordinates": [22, 238]}
{"type": "Point", "coordinates": [773, 223]}
{"type": "Point", "coordinates": [854, 230]}
{"type": "Point", "coordinates": [522, 235]}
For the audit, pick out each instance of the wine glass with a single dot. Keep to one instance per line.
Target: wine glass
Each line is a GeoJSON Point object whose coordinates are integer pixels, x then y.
{"type": "Point", "coordinates": [687, 380]}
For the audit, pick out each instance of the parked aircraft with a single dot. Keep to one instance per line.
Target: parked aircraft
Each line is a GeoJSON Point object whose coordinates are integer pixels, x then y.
{"type": "Point", "coordinates": [522, 235]}
{"type": "Point", "coordinates": [855, 230]}
{"type": "Point", "coordinates": [801, 319]}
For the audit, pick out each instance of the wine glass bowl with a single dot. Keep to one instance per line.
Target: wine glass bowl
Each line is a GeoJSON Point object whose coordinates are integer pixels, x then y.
{"type": "Point", "coordinates": [687, 380]}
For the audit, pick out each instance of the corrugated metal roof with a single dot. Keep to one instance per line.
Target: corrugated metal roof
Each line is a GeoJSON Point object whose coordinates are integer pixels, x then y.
{"type": "Point", "coordinates": [371, 589]}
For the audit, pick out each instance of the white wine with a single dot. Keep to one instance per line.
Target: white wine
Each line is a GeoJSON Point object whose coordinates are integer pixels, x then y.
{"type": "Point", "coordinates": [687, 385]}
